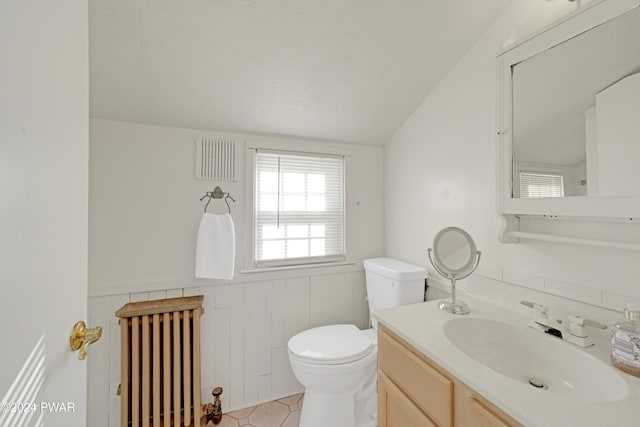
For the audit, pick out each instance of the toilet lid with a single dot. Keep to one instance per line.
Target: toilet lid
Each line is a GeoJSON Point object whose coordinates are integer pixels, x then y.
{"type": "Point", "coordinates": [331, 344]}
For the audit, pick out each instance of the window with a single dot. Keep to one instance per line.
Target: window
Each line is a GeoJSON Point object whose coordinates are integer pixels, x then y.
{"type": "Point", "coordinates": [298, 208]}
{"type": "Point", "coordinates": [541, 185]}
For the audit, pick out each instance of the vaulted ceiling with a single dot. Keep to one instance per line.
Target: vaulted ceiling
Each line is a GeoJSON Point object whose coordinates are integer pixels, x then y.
{"type": "Point", "coordinates": [341, 70]}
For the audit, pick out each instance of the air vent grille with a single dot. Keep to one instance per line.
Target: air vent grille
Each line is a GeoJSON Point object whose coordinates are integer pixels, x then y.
{"type": "Point", "coordinates": [216, 159]}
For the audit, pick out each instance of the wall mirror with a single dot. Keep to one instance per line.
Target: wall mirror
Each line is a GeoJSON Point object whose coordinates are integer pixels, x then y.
{"type": "Point", "coordinates": [454, 256]}
{"type": "Point", "coordinates": [575, 114]}
{"type": "Point", "coordinates": [571, 116]}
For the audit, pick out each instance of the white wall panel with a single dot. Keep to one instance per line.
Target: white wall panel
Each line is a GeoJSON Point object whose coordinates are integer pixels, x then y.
{"type": "Point", "coordinates": [113, 402]}
{"type": "Point", "coordinates": [188, 292]}
{"type": "Point", "coordinates": [277, 313]}
{"type": "Point", "coordinates": [359, 305]}
{"type": "Point", "coordinates": [222, 296]}
{"type": "Point", "coordinates": [279, 360]}
{"type": "Point", "coordinates": [236, 394]}
{"type": "Point", "coordinates": [522, 279]}
{"type": "Point", "coordinates": [98, 363]}
{"type": "Point", "coordinates": [208, 338]}
{"type": "Point", "coordinates": [260, 295]}
{"type": "Point", "coordinates": [251, 364]}
{"type": "Point", "coordinates": [296, 305]}
{"type": "Point", "coordinates": [574, 292]}
{"type": "Point", "coordinates": [161, 294]}
{"type": "Point", "coordinates": [264, 388]}
{"type": "Point", "coordinates": [174, 293]}
{"type": "Point", "coordinates": [338, 298]}
{"type": "Point", "coordinates": [140, 296]}
{"type": "Point", "coordinates": [220, 335]}
{"type": "Point", "coordinates": [243, 344]}
{"type": "Point", "coordinates": [115, 302]}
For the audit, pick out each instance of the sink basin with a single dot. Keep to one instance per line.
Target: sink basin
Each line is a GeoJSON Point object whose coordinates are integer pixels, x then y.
{"type": "Point", "coordinates": [523, 354]}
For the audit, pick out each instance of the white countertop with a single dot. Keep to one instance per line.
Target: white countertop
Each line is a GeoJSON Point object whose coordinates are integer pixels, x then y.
{"type": "Point", "coordinates": [421, 325]}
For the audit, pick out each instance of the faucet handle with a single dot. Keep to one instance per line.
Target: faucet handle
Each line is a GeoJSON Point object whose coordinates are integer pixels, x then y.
{"type": "Point", "coordinates": [539, 309]}
{"type": "Point", "coordinates": [578, 333]}
{"type": "Point", "coordinates": [581, 322]}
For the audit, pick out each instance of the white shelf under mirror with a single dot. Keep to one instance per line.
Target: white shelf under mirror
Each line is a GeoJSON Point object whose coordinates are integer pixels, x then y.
{"type": "Point", "coordinates": [599, 232]}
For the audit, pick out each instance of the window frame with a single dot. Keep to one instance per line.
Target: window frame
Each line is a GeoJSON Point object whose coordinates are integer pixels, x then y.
{"type": "Point", "coordinates": [251, 263]}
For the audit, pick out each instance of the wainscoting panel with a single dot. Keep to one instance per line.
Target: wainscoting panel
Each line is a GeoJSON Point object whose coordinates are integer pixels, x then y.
{"type": "Point", "coordinates": [98, 363]}
{"type": "Point", "coordinates": [244, 333]}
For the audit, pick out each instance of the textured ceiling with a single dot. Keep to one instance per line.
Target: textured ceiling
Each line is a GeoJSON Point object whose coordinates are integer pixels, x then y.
{"type": "Point", "coordinates": [342, 70]}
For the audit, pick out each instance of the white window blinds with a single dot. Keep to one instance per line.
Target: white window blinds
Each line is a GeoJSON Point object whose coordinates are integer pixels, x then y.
{"type": "Point", "coordinates": [541, 185]}
{"type": "Point", "coordinates": [299, 208]}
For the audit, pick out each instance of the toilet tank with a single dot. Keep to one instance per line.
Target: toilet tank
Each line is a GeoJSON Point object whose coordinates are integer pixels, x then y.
{"type": "Point", "coordinates": [391, 283]}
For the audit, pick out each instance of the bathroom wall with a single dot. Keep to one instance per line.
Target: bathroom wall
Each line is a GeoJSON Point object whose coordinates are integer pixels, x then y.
{"type": "Point", "coordinates": [143, 218]}
{"type": "Point", "coordinates": [441, 170]}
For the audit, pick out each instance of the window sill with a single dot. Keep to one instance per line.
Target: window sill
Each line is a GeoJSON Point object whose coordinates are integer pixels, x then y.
{"type": "Point", "coordinates": [296, 267]}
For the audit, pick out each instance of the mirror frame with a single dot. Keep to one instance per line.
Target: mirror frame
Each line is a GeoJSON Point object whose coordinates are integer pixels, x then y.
{"type": "Point", "coordinates": [453, 305]}
{"type": "Point", "coordinates": [584, 19]}
{"type": "Point", "coordinates": [467, 268]}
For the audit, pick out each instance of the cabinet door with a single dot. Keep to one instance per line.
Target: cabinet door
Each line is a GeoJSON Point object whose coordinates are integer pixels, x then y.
{"type": "Point", "coordinates": [479, 415]}
{"type": "Point", "coordinates": [395, 409]}
{"type": "Point", "coordinates": [431, 391]}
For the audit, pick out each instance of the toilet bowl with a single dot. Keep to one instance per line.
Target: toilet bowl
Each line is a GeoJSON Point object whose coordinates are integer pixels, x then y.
{"type": "Point", "coordinates": [337, 364]}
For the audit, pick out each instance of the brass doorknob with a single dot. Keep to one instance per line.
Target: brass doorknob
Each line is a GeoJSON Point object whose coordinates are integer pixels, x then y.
{"type": "Point", "coordinates": [81, 337]}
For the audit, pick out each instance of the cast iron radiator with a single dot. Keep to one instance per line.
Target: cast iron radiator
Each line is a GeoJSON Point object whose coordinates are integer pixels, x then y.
{"type": "Point", "coordinates": [160, 362]}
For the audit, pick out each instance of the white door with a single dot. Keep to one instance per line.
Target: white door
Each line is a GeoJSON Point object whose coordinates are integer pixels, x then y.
{"type": "Point", "coordinates": [43, 210]}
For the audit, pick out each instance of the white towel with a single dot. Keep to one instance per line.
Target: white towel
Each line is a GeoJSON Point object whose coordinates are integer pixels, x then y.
{"type": "Point", "coordinates": [216, 247]}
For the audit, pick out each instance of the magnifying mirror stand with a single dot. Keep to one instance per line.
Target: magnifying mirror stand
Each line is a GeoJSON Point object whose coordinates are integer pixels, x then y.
{"type": "Point", "coordinates": [453, 305]}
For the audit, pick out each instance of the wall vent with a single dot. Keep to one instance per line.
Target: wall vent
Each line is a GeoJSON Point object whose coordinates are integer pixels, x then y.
{"type": "Point", "coordinates": [216, 159]}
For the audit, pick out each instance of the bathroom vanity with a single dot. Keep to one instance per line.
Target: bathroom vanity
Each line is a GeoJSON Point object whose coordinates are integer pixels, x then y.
{"type": "Point", "coordinates": [414, 391]}
{"type": "Point", "coordinates": [441, 369]}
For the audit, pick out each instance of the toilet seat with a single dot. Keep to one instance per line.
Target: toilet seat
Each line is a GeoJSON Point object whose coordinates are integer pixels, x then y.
{"type": "Point", "coordinates": [330, 345]}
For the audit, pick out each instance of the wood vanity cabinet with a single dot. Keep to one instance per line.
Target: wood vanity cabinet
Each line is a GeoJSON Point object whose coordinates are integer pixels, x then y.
{"type": "Point", "coordinates": [415, 392]}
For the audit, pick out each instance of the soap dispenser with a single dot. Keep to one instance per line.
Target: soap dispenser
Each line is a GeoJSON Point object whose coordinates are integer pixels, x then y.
{"type": "Point", "coordinates": [625, 341]}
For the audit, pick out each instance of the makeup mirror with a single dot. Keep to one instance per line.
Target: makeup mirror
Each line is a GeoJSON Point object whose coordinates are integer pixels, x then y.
{"type": "Point", "coordinates": [454, 256]}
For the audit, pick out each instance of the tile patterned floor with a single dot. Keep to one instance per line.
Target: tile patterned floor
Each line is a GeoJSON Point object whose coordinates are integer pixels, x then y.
{"type": "Point", "coordinates": [283, 412]}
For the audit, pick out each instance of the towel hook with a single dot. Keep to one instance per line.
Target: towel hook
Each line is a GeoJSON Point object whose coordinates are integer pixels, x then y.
{"type": "Point", "coordinates": [217, 193]}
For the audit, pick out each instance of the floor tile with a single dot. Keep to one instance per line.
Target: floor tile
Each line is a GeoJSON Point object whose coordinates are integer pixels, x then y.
{"type": "Point", "coordinates": [242, 413]}
{"type": "Point", "coordinates": [283, 412]}
{"type": "Point", "coordinates": [293, 420]}
{"type": "Point", "coordinates": [270, 414]}
{"type": "Point", "coordinates": [225, 422]}
{"type": "Point", "coordinates": [291, 400]}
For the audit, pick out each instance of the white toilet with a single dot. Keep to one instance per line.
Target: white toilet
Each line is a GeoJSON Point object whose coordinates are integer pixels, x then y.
{"type": "Point", "coordinates": [337, 364]}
